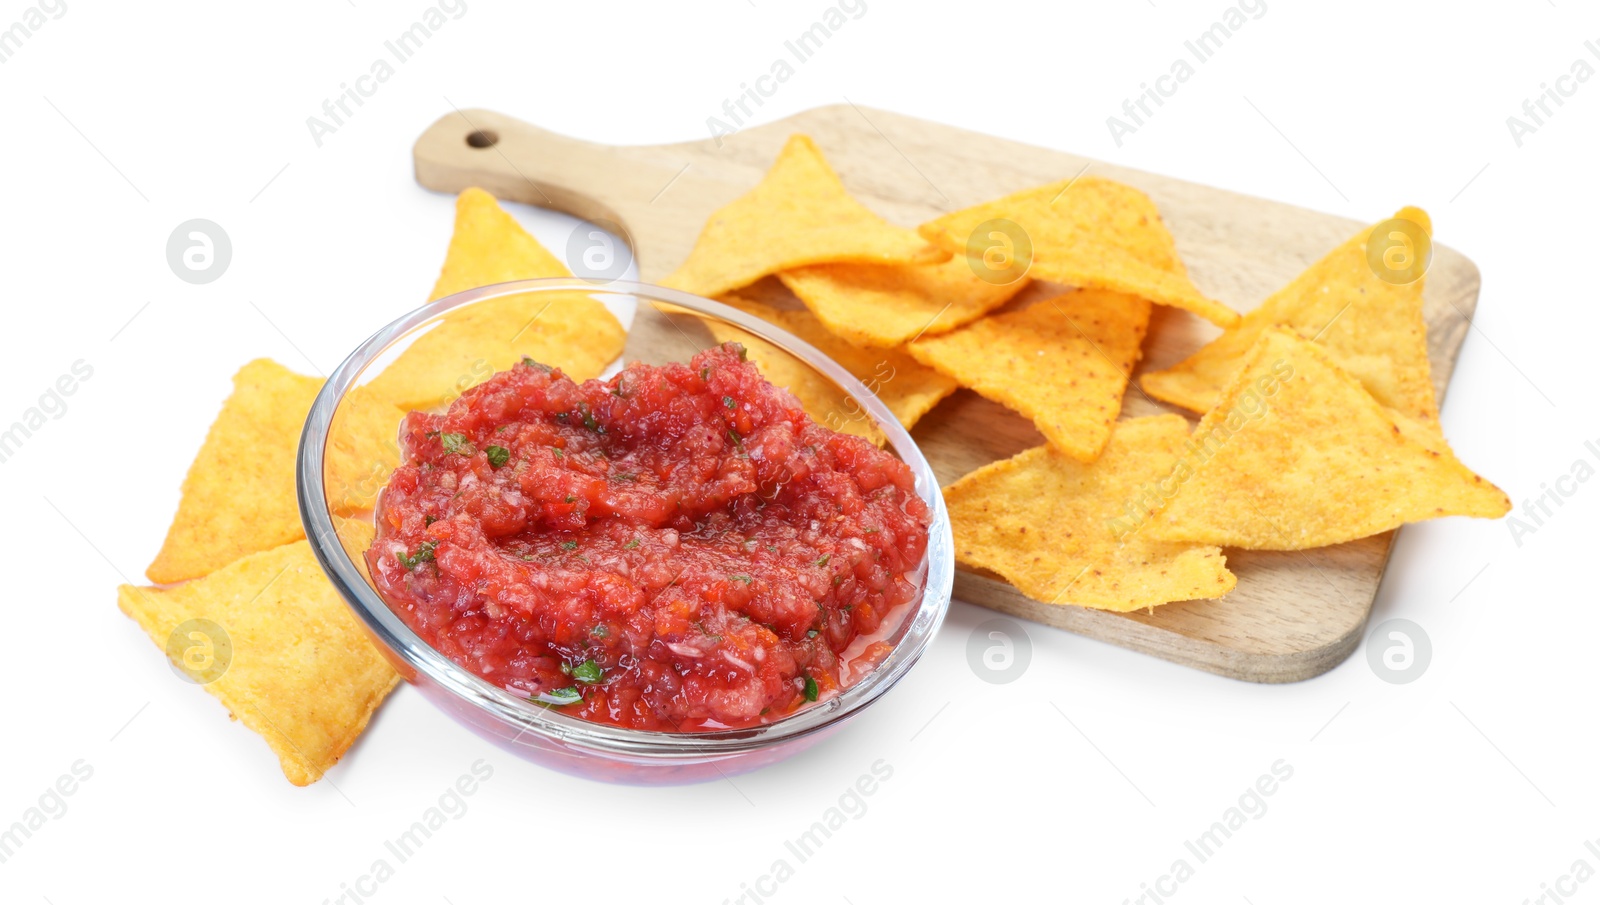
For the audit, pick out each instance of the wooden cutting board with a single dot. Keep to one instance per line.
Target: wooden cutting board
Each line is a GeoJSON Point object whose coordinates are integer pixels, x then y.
{"type": "Point", "coordinates": [1292, 616]}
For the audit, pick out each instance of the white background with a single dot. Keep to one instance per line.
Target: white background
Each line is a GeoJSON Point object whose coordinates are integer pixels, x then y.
{"type": "Point", "coordinates": [1079, 781]}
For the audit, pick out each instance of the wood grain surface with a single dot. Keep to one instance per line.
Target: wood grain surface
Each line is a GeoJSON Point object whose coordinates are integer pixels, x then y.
{"type": "Point", "coordinates": [1292, 616]}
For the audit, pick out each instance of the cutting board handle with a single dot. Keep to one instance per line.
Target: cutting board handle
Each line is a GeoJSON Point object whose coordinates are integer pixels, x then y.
{"type": "Point", "coordinates": [516, 161]}
{"type": "Point", "coordinates": [649, 194]}
{"type": "Point", "coordinates": [655, 197]}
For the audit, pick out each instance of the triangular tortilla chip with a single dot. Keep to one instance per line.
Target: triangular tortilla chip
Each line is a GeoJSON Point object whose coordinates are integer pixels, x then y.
{"type": "Point", "coordinates": [239, 495]}
{"type": "Point", "coordinates": [489, 246]}
{"type": "Point", "coordinates": [1092, 233]}
{"type": "Point", "coordinates": [1063, 362]}
{"type": "Point", "coordinates": [569, 330]}
{"type": "Point", "coordinates": [890, 305]}
{"type": "Point", "coordinates": [296, 667]}
{"type": "Point", "coordinates": [907, 388]}
{"type": "Point", "coordinates": [1048, 524]}
{"type": "Point", "coordinates": [1297, 454]}
{"type": "Point", "coordinates": [1372, 328]}
{"type": "Point", "coordinates": [799, 214]}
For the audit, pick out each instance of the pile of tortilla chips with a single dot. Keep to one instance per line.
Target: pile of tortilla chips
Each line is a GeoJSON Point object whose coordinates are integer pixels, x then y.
{"type": "Point", "coordinates": [1318, 423]}
{"type": "Point", "coordinates": [242, 605]}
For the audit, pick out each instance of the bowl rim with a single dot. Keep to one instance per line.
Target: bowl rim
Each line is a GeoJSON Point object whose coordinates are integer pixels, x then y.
{"type": "Point", "coordinates": [919, 627]}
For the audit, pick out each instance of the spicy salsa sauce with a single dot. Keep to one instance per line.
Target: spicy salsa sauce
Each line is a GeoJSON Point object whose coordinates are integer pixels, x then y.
{"type": "Point", "coordinates": [678, 548]}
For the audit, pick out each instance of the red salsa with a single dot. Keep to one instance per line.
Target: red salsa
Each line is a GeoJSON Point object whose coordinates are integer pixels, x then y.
{"type": "Point", "coordinates": [677, 548]}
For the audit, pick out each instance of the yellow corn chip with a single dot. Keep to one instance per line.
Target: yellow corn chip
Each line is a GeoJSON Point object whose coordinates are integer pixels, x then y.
{"type": "Point", "coordinates": [1373, 328]}
{"type": "Point", "coordinates": [1297, 454]}
{"type": "Point", "coordinates": [1050, 524]}
{"type": "Point", "coordinates": [890, 305]}
{"type": "Point", "coordinates": [569, 330]}
{"type": "Point", "coordinates": [239, 496]}
{"type": "Point", "coordinates": [771, 293]}
{"type": "Point", "coordinates": [799, 214]}
{"type": "Point", "coordinates": [1063, 362]}
{"type": "Point", "coordinates": [363, 451]}
{"type": "Point", "coordinates": [1087, 232]}
{"type": "Point", "coordinates": [295, 666]}
{"type": "Point", "coordinates": [489, 246]}
{"type": "Point", "coordinates": [907, 388]}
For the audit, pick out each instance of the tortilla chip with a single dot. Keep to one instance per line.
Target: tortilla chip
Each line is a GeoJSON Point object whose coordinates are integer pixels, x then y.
{"type": "Point", "coordinates": [888, 306]}
{"type": "Point", "coordinates": [799, 214]}
{"type": "Point", "coordinates": [363, 450]}
{"type": "Point", "coordinates": [1091, 233]}
{"type": "Point", "coordinates": [1372, 327]}
{"type": "Point", "coordinates": [239, 496]}
{"type": "Point", "coordinates": [303, 674]}
{"type": "Point", "coordinates": [1053, 527]}
{"type": "Point", "coordinates": [907, 388]}
{"type": "Point", "coordinates": [1063, 362]}
{"type": "Point", "coordinates": [569, 330]}
{"type": "Point", "coordinates": [489, 246]}
{"type": "Point", "coordinates": [771, 293]}
{"type": "Point", "coordinates": [1298, 454]}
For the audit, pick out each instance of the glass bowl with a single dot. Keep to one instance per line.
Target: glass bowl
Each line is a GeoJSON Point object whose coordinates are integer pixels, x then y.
{"type": "Point", "coordinates": [666, 325]}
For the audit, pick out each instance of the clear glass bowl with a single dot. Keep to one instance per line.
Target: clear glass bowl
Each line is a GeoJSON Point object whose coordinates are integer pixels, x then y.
{"type": "Point", "coordinates": [666, 326]}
